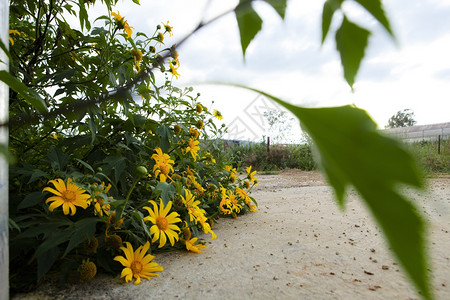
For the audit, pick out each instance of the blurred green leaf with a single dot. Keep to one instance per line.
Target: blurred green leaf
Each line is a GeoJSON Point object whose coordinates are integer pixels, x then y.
{"type": "Point", "coordinates": [375, 8]}
{"type": "Point", "coordinates": [353, 152]}
{"type": "Point", "coordinates": [25, 92]}
{"type": "Point", "coordinates": [329, 8]}
{"type": "Point", "coordinates": [351, 42]}
{"type": "Point", "coordinates": [279, 6]}
{"type": "Point", "coordinates": [249, 23]}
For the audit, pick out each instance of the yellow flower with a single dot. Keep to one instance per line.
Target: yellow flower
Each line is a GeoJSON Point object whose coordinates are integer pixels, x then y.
{"type": "Point", "coordinates": [87, 270]}
{"type": "Point", "coordinates": [190, 245]}
{"type": "Point", "coordinates": [217, 114]}
{"type": "Point", "coordinates": [233, 175]}
{"type": "Point", "coordinates": [199, 108]}
{"type": "Point", "coordinates": [199, 124]}
{"type": "Point", "coordinates": [250, 175]}
{"type": "Point", "coordinates": [163, 224]}
{"type": "Point", "coordinates": [137, 264]}
{"type": "Point", "coordinates": [190, 203]}
{"type": "Point", "coordinates": [128, 30]}
{"type": "Point", "coordinates": [160, 37]}
{"type": "Point", "coordinates": [246, 184]}
{"type": "Point", "coordinates": [168, 28]}
{"type": "Point", "coordinates": [209, 158]}
{"type": "Point", "coordinates": [68, 196]}
{"type": "Point", "coordinates": [173, 70]}
{"type": "Point", "coordinates": [99, 207]}
{"type": "Point", "coordinates": [137, 56]}
{"type": "Point", "coordinates": [177, 129]}
{"type": "Point", "coordinates": [122, 23]}
{"type": "Point", "coordinates": [194, 132]}
{"type": "Point", "coordinates": [163, 165]}
{"type": "Point", "coordinates": [244, 196]}
{"type": "Point", "coordinates": [193, 148]}
{"type": "Point", "coordinates": [229, 204]}
{"type": "Point", "coordinates": [12, 31]}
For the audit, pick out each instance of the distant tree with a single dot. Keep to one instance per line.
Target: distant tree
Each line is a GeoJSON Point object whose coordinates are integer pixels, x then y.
{"type": "Point", "coordinates": [403, 118]}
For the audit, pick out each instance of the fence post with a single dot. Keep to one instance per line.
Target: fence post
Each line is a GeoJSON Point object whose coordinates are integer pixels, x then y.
{"type": "Point", "coordinates": [4, 102]}
{"type": "Point", "coordinates": [439, 144]}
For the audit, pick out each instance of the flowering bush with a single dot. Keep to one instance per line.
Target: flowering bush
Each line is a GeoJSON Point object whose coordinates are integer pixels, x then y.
{"type": "Point", "coordinates": [142, 170]}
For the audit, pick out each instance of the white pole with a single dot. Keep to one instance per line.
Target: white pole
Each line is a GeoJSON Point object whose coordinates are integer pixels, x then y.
{"type": "Point", "coordinates": [4, 91]}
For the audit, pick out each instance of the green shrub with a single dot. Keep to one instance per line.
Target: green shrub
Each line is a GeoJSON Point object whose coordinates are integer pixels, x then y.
{"type": "Point", "coordinates": [279, 156]}
{"type": "Point", "coordinates": [107, 172]}
{"type": "Point", "coordinates": [429, 158]}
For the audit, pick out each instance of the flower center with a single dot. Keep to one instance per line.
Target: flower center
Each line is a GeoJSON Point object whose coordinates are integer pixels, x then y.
{"type": "Point", "coordinates": [68, 196]}
{"type": "Point", "coordinates": [162, 223]}
{"type": "Point", "coordinates": [136, 267]}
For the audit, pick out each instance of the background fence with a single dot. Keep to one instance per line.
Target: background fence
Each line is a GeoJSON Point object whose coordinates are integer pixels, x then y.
{"type": "Point", "coordinates": [420, 133]}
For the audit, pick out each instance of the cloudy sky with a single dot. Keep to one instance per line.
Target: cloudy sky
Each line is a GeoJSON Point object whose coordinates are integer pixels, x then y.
{"type": "Point", "coordinates": [287, 59]}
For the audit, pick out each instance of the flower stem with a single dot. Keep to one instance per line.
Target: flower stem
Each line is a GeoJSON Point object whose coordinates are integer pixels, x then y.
{"type": "Point", "coordinates": [128, 196]}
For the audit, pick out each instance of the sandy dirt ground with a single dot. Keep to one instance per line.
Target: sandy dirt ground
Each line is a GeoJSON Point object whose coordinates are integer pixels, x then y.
{"type": "Point", "coordinates": [298, 246]}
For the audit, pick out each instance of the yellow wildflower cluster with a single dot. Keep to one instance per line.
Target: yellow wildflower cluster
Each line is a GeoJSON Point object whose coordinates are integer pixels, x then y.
{"type": "Point", "coordinates": [196, 214]}
{"type": "Point", "coordinates": [100, 207]}
{"type": "Point", "coordinates": [69, 196]}
{"type": "Point", "coordinates": [122, 23]}
{"type": "Point", "coordinates": [229, 204]}
{"type": "Point", "coordinates": [193, 148]}
{"type": "Point", "coordinates": [163, 165]}
{"type": "Point", "coordinates": [232, 171]}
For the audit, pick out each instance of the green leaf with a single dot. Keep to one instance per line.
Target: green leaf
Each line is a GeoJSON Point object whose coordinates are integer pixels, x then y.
{"type": "Point", "coordinates": [31, 200]}
{"type": "Point", "coordinates": [353, 152]}
{"type": "Point", "coordinates": [45, 261]}
{"type": "Point", "coordinates": [25, 92]}
{"type": "Point", "coordinates": [57, 158]}
{"type": "Point", "coordinates": [351, 42]}
{"type": "Point", "coordinates": [168, 191]}
{"type": "Point", "coordinates": [329, 8]}
{"type": "Point", "coordinates": [55, 239]}
{"type": "Point", "coordinates": [7, 154]}
{"type": "Point", "coordinates": [375, 8]}
{"type": "Point", "coordinates": [140, 219]}
{"type": "Point", "coordinates": [83, 228]}
{"type": "Point", "coordinates": [86, 165]}
{"type": "Point", "coordinates": [92, 127]}
{"type": "Point", "coordinates": [164, 132]}
{"type": "Point", "coordinates": [115, 164]}
{"type": "Point", "coordinates": [279, 6]}
{"type": "Point", "coordinates": [249, 23]}
{"type": "Point", "coordinates": [37, 173]}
